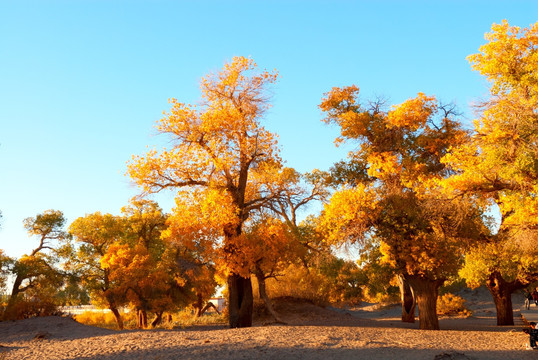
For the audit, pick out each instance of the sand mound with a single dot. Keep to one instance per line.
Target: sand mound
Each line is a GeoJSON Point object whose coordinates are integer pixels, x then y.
{"type": "Point", "coordinates": [296, 311]}
{"type": "Point", "coordinates": [48, 327]}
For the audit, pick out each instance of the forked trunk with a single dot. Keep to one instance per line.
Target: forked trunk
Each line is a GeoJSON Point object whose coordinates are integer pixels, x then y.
{"type": "Point", "coordinates": [426, 291]}
{"type": "Point", "coordinates": [263, 295]}
{"type": "Point", "coordinates": [502, 290]}
{"type": "Point", "coordinates": [207, 307]}
{"type": "Point", "coordinates": [408, 300]}
{"type": "Point", "coordinates": [158, 319]}
{"type": "Point", "coordinates": [240, 301]}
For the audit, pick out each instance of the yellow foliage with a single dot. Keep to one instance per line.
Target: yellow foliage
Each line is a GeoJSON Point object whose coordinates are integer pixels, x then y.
{"type": "Point", "coordinates": [384, 165]}
{"type": "Point", "coordinates": [499, 164]}
{"type": "Point", "coordinates": [451, 305]}
{"type": "Point", "coordinates": [413, 113]}
{"type": "Point", "coordinates": [349, 214]}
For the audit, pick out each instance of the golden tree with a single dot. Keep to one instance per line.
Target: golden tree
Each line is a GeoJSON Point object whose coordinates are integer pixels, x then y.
{"type": "Point", "coordinates": [219, 160]}
{"type": "Point", "coordinates": [499, 165]}
{"type": "Point", "coordinates": [91, 238]}
{"type": "Point", "coordinates": [36, 272]}
{"type": "Point", "coordinates": [390, 191]}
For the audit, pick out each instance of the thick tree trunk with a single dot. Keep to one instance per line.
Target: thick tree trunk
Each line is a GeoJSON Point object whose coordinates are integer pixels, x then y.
{"type": "Point", "coordinates": [408, 300]}
{"type": "Point", "coordinates": [502, 290]}
{"type": "Point", "coordinates": [117, 316]}
{"type": "Point", "coordinates": [426, 291]}
{"type": "Point", "coordinates": [263, 295]}
{"type": "Point", "coordinates": [240, 301]}
{"type": "Point", "coordinates": [112, 306]}
{"type": "Point", "coordinates": [142, 319]}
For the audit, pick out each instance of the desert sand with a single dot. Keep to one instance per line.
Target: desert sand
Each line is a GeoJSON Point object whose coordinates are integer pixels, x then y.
{"type": "Point", "coordinates": [366, 332]}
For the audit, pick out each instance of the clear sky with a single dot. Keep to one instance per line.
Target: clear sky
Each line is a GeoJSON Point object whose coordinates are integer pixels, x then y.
{"type": "Point", "coordinates": [82, 82]}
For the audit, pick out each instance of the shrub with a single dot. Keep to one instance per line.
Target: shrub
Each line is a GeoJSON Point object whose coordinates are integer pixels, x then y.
{"type": "Point", "coordinates": [25, 307]}
{"type": "Point", "coordinates": [106, 319]}
{"type": "Point", "coordinates": [184, 318]}
{"type": "Point", "coordinates": [451, 305]}
{"type": "Point", "coordinates": [300, 283]}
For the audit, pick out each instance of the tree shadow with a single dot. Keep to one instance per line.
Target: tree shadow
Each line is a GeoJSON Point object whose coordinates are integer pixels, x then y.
{"type": "Point", "coordinates": [324, 352]}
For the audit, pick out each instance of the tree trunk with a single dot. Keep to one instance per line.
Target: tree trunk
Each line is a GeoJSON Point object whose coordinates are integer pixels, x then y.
{"type": "Point", "coordinates": [112, 306]}
{"type": "Point", "coordinates": [117, 316]}
{"type": "Point", "coordinates": [502, 290]}
{"type": "Point", "coordinates": [240, 301]}
{"type": "Point", "coordinates": [426, 291]}
{"type": "Point", "coordinates": [263, 295]}
{"type": "Point", "coordinates": [158, 319]}
{"type": "Point", "coordinates": [142, 319]}
{"type": "Point", "coordinates": [198, 305]}
{"type": "Point", "coordinates": [207, 306]}
{"type": "Point", "coordinates": [15, 290]}
{"type": "Point", "coordinates": [408, 300]}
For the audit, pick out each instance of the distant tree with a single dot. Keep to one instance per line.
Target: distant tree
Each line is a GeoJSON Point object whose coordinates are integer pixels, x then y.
{"type": "Point", "coordinates": [91, 237]}
{"type": "Point", "coordinates": [275, 236]}
{"type": "Point", "coordinates": [73, 292]}
{"type": "Point", "coordinates": [37, 272]}
{"type": "Point", "coordinates": [4, 263]}
{"type": "Point", "coordinates": [378, 280]}
{"type": "Point", "coordinates": [271, 246]}
{"type": "Point", "coordinates": [194, 257]}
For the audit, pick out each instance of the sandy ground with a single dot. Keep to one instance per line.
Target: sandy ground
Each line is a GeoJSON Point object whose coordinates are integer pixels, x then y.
{"type": "Point", "coordinates": [311, 333]}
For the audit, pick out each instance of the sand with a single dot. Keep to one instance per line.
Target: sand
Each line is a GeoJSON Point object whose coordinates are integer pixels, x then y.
{"type": "Point", "coordinates": [366, 332]}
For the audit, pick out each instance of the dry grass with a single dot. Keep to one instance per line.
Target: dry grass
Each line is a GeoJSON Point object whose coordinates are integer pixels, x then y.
{"type": "Point", "coordinates": [181, 319]}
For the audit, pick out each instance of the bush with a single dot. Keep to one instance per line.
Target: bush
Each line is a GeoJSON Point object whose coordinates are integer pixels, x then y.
{"type": "Point", "coordinates": [184, 318]}
{"type": "Point", "coordinates": [24, 308]}
{"type": "Point", "coordinates": [300, 283]}
{"type": "Point", "coordinates": [105, 319]}
{"type": "Point", "coordinates": [452, 305]}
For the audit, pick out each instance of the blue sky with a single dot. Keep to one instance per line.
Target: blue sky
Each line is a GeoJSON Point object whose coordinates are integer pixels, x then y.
{"type": "Point", "coordinates": [83, 82]}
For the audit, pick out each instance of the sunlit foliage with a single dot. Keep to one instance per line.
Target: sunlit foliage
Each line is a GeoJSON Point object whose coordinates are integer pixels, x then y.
{"type": "Point", "coordinates": [36, 276]}
{"type": "Point", "coordinates": [221, 161]}
{"type": "Point", "coordinates": [499, 164]}
{"type": "Point", "coordinates": [394, 193]}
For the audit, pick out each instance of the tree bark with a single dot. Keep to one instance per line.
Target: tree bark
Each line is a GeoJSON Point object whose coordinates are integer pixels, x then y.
{"type": "Point", "coordinates": [502, 290]}
{"type": "Point", "coordinates": [117, 316]}
{"type": "Point", "coordinates": [263, 295]}
{"type": "Point", "coordinates": [207, 306]}
{"type": "Point", "coordinates": [198, 305]}
{"type": "Point", "coordinates": [157, 320]}
{"type": "Point", "coordinates": [408, 300]}
{"type": "Point", "coordinates": [426, 291]}
{"type": "Point", "coordinates": [142, 319]}
{"type": "Point", "coordinates": [240, 301]}
{"type": "Point", "coordinates": [15, 290]}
